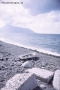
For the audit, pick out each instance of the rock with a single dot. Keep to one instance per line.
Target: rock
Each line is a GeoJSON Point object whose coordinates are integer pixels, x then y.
{"type": "Point", "coordinates": [27, 64]}
{"type": "Point", "coordinates": [1, 78]}
{"type": "Point", "coordinates": [0, 45]}
{"type": "Point", "coordinates": [56, 80]}
{"type": "Point", "coordinates": [2, 67]}
{"type": "Point", "coordinates": [1, 56]}
{"type": "Point", "coordinates": [42, 86]}
{"type": "Point", "coordinates": [1, 84]}
{"type": "Point", "coordinates": [42, 67]}
{"type": "Point", "coordinates": [42, 74]}
{"type": "Point", "coordinates": [26, 81]}
{"type": "Point", "coordinates": [44, 64]}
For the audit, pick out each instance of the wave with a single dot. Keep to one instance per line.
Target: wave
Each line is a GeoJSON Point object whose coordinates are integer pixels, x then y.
{"type": "Point", "coordinates": [30, 47]}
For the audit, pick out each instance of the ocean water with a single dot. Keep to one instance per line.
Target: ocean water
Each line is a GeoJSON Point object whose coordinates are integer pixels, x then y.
{"type": "Point", "coordinates": [46, 43]}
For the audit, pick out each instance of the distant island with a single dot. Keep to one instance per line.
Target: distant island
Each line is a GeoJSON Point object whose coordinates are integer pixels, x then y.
{"type": "Point", "coordinates": [14, 29]}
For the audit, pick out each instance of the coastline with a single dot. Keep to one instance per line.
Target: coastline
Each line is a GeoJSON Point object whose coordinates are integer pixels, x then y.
{"type": "Point", "coordinates": [11, 65]}
{"type": "Point", "coordinates": [40, 50]}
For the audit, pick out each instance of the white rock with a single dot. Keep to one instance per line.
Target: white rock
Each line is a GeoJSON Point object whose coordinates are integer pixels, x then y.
{"type": "Point", "coordinates": [26, 81]}
{"type": "Point", "coordinates": [56, 80]}
{"type": "Point", "coordinates": [27, 64]}
{"type": "Point", "coordinates": [42, 74]}
{"type": "Point", "coordinates": [42, 86]}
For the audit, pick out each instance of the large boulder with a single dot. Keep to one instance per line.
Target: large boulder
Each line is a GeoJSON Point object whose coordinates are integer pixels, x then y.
{"type": "Point", "coordinates": [56, 80]}
{"type": "Point", "coordinates": [42, 74]}
{"type": "Point", "coordinates": [26, 81]}
{"type": "Point", "coordinates": [27, 64]}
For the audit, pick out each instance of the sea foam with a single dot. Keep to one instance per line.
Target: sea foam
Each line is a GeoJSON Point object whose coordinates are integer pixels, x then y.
{"type": "Point", "coordinates": [46, 51]}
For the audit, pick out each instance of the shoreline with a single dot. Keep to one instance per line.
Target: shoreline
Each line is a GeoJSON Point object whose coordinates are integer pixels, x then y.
{"type": "Point", "coordinates": [11, 65]}
{"type": "Point", "coordinates": [34, 49]}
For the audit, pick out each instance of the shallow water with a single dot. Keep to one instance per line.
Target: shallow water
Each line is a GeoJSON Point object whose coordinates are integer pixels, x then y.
{"type": "Point", "coordinates": [46, 43]}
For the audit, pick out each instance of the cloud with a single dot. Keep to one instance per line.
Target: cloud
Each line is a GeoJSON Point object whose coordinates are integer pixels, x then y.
{"type": "Point", "coordinates": [1, 23]}
{"type": "Point", "coordinates": [14, 14]}
{"type": "Point", "coordinates": [42, 6]}
{"type": "Point", "coordinates": [43, 20]}
{"type": "Point", "coordinates": [45, 23]}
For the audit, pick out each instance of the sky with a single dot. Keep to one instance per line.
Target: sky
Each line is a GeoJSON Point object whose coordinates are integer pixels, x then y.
{"type": "Point", "coordinates": [41, 16]}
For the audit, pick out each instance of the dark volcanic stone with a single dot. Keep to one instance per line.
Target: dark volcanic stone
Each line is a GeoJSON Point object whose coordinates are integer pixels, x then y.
{"type": "Point", "coordinates": [1, 85]}
{"type": "Point", "coordinates": [0, 45]}
{"type": "Point", "coordinates": [1, 78]}
{"type": "Point", "coordinates": [2, 67]}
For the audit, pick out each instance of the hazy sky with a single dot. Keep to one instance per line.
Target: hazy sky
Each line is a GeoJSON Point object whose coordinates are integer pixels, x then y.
{"type": "Point", "coordinates": [41, 16]}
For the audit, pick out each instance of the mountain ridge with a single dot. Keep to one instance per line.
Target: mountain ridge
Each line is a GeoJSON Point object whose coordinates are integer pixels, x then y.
{"type": "Point", "coordinates": [14, 29]}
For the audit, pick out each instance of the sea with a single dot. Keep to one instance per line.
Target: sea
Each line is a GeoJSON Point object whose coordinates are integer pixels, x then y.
{"type": "Point", "coordinates": [45, 43]}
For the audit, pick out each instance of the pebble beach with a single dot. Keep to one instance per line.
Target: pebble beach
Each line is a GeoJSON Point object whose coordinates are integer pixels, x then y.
{"type": "Point", "coordinates": [10, 64]}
